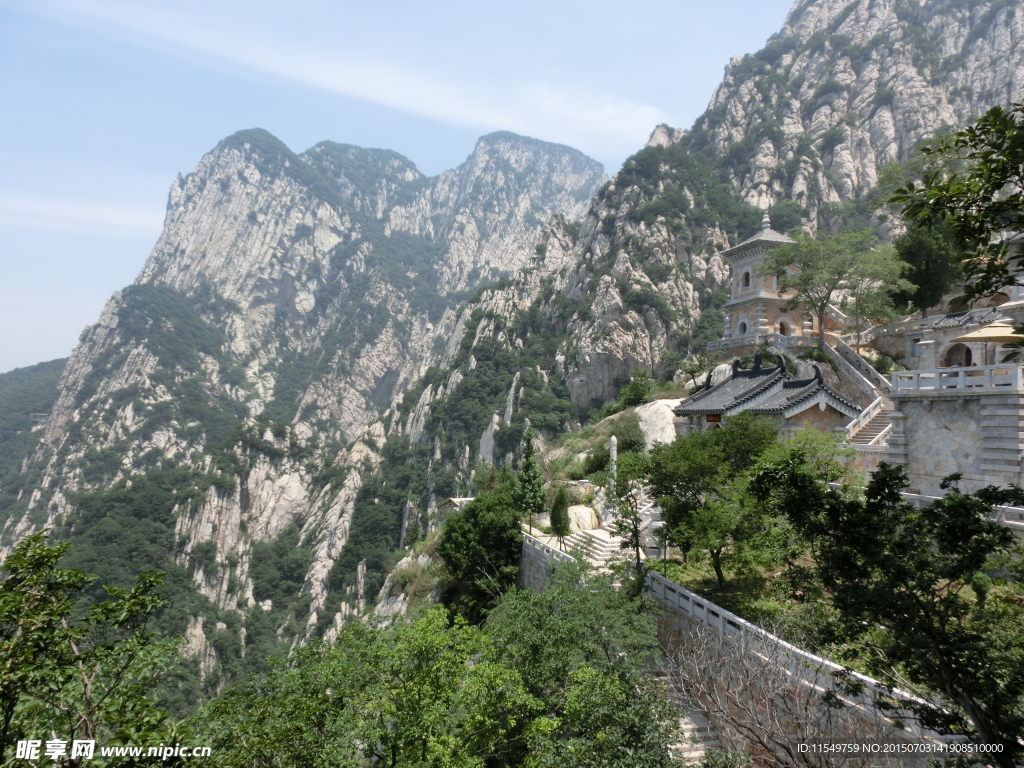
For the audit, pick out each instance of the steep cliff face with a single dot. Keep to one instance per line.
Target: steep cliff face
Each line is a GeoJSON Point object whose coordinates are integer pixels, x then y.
{"type": "Point", "coordinates": [848, 87]}
{"type": "Point", "coordinates": [297, 378]}
{"type": "Point", "coordinates": [288, 302]}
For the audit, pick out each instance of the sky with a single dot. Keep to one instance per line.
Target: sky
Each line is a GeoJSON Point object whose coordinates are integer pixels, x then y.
{"type": "Point", "coordinates": [104, 103]}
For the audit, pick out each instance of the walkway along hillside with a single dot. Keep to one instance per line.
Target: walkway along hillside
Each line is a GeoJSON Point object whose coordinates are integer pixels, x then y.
{"type": "Point", "coordinates": [689, 621]}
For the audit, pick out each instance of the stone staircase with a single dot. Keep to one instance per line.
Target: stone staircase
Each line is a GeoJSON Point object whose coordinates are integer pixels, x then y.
{"type": "Point", "coordinates": [696, 734]}
{"type": "Point", "coordinates": [869, 432]}
{"type": "Point", "coordinates": [696, 737]}
{"type": "Point", "coordinates": [597, 545]}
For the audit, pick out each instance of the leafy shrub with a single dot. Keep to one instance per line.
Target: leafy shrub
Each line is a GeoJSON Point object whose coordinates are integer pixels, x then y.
{"type": "Point", "coordinates": [831, 139]}
{"type": "Point", "coordinates": [637, 391]}
{"type": "Point", "coordinates": [630, 439]}
{"type": "Point", "coordinates": [883, 98]}
{"type": "Point", "coordinates": [481, 545]}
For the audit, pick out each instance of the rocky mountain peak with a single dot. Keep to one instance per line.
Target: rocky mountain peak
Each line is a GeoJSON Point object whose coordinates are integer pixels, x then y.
{"type": "Point", "coordinates": [848, 87]}
{"type": "Point", "coordinates": [297, 367]}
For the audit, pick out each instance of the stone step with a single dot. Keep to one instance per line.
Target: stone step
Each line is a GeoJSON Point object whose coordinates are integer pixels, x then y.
{"type": "Point", "coordinates": [873, 428]}
{"type": "Point", "coordinates": [696, 735]}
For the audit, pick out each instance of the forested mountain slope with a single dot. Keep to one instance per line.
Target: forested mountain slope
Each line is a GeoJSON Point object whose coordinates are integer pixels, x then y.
{"type": "Point", "coordinates": [26, 397]}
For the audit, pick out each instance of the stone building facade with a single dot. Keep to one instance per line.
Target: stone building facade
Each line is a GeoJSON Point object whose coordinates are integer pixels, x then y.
{"type": "Point", "coordinates": [757, 311]}
{"type": "Point", "coordinates": [964, 420]}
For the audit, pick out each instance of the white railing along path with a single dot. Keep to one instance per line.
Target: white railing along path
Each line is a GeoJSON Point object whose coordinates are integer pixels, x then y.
{"type": "Point", "coordinates": [801, 665]}
{"type": "Point", "coordinates": [940, 380]}
{"type": "Point", "coordinates": [865, 417]}
{"type": "Point", "coordinates": [849, 354]}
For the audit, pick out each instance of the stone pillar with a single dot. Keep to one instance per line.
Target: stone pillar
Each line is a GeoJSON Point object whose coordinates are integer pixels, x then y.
{"type": "Point", "coordinates": [613, 452]}
{"type": "Point", "coordinates": [897, 449]}
{"type": "Point", "coordinates": [763, 329]}
{"type": "Point", "coordinates": [926, 355]}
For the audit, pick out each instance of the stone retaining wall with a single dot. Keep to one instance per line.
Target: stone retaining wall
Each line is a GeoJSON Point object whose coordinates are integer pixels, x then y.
{"type": "Point", "coordinates": [978, 434]}
{"type": "Point", "coordinates": [686, 614]}
{"type": "Point", "coordinates": [537, 561]}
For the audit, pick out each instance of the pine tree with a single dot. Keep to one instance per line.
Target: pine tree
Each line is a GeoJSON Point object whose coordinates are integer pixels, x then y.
{"type": "Point", "coordinates": [560, 516]}
{"type": "Point", "coordinates": [529, 498]}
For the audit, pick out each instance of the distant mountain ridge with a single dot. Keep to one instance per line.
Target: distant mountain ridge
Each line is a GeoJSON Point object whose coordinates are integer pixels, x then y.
{"type": "Point", "coordinates": [289, 301]}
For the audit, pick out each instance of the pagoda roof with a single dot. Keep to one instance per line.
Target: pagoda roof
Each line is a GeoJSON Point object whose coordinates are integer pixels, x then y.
{"type": "Point", "coordinates": [765, 391]}
{"type": "Point", "coordinates": [765, 236]}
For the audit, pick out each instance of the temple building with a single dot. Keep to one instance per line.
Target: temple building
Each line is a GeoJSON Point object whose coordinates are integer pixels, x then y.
{"type": "Point", "coordinates": [793, 403]}
{"type": "Point", "coordinates": [757, 312]}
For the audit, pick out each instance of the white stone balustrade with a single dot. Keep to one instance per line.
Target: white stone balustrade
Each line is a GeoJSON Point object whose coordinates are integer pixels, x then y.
{"type": "Point", "coordinates": [864, 368]}
{"type": "Point", "coordinates": [757, 339]}
{"type": "Point", "coordinates": [1005, 377]}
{"type": "Point", "coordinates": [802, 665]}
{"type": "Point", "coordinates": [682, 606]}
{"type": "Point", "coordinates": [865, 416]}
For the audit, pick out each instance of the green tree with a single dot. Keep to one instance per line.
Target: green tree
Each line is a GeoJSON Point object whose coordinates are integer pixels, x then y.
{"type": "Point", "coordinates": [481, 545]}
{"type": "Point", "coordinates": [431, 700]}
{"type": "Point", "coordinates": [529, 495]}
{"type": "Point", "coordinates": [700, 483]}
{"type": "Point", "coordinates": [88, 676]}
{"type": "Point", "coordinates": [630, 475]}
{"type": "Point", "coordinates": [876, 277]}
{"type": "Point", "coordinates": [637, 389]}
{"type": "Point", "coordinates": [582, 649]}
{"type": "Point", "coordinates": [822, 268]}
{"type": "Point", "coordinates": [982, 201]}
{"type": "Point", "coordinates": [934, 260]}
{"type": "Point", "coordinates": [560, 524]}
{"type": "Point", "coordinates": [912, 589]}
{"type": "Point", "coordinates": [698, 364]}
{"type": "Point", "coordinates": [296, 715]}
{"type": "Point", "coordinates": [557, 678]}
{"type": "Point", "coordinates": [420, 691]}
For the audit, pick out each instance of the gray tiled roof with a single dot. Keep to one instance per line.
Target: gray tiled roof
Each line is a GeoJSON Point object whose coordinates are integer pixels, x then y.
{"type": "Point", "coordinates": [795, 391]}
{"type": "Point", "coordinates": [762, 236]}
{"type": "Point", "coordinates": [958, 319]}
{"type": "Point", "coordinates": [740, 387]}
{"type": "Point", "coordinates": [745, 386]}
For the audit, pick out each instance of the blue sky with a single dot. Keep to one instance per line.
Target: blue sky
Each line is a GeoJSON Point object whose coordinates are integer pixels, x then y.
{"type": "Point", "coordinates": [104, 103]}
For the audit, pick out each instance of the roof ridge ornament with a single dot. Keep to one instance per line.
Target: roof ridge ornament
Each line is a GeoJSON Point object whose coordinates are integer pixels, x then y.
{"type": "Point", "coordinates": [766, 222]}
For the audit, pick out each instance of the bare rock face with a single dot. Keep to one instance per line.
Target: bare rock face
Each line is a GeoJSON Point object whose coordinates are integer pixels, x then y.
{"type": "Point", "coordinates": [846, 88]}
{"type": "Point", "coordinates": [288, 304]}
{"type": "Point", "coordinates": [494, 204]}
{"type": "Point", "coordinates": [299, 338]}
{"type": "Point", "coordinates": [657, 421]}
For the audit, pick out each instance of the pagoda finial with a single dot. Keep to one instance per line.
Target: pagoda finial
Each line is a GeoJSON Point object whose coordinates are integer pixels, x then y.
{"type": "Point", "coordinates": [766, 222]}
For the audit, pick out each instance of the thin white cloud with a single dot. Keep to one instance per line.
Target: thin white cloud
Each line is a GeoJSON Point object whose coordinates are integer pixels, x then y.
{"type": "Point", "coordinates": [536, 108]}
{"type": "Point", "coordinates": [49, 213]}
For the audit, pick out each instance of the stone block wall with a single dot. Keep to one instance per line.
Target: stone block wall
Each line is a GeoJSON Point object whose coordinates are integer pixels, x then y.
{"type": "Point", "coordinates": [536, 563]}
{"type": "Point", "coordinates": [976, 434]}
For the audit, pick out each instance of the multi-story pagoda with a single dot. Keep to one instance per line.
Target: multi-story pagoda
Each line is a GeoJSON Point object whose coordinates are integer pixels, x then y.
{"type": "Point", "coordinates": [757, 311]}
